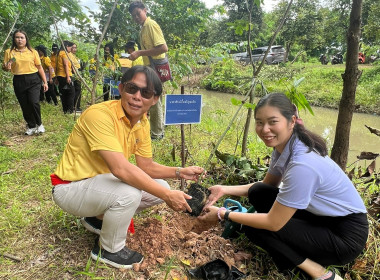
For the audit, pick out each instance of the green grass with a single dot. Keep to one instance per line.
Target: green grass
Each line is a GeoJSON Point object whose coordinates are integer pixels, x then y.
{"type": "Point", "coordinates": [52, 243]}
{"type": "Point", "coordinates": [322, 86]}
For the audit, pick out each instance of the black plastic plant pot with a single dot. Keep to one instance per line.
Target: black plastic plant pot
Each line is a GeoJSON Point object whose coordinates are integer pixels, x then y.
{"type": "Point", "coordinates": [199, 196]}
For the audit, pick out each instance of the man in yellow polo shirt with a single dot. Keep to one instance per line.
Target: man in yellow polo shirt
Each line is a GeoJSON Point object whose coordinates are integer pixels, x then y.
{"type": "Point", "coordinates": [153, 45]}
{"type": "Point", "coordinates": [95, 178]}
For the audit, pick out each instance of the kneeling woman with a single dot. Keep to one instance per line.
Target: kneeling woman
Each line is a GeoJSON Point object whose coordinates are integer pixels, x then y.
{"type": "Point", "coordinates": [317, 218]}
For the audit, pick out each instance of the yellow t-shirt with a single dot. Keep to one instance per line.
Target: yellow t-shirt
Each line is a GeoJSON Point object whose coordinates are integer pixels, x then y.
{"type": "Point", "coordinates": [75, 60]}
{"type": "Point", "coordinates": [60, 66]}
{"type": "Point", "coordinates": [46, 63]}
{"type": "Point", "coordinates": [53, 59]}
{"type": "Point", "coordinates": [102, 126]}
{"type": "Point", "coordinates": [111, 64]}
{"type": "Point", "coordinates": [151, 36]}
{"type": "Point", "coordinates": [26, 61]}
{"type": "Point", "coordinates": [92, 64]}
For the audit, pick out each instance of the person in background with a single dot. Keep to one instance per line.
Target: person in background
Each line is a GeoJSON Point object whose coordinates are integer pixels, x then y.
{"type": "Point", "coordinates": [95, 178]}
{"type": "Point", "coordinates": [49, 73]}
{"type": "Point", "coordinates": [25, 64]}
{"type": "Point", "coordinates": [77, 82]}
{"type": "Point", "coordinates": [92, 66]}
{"type": "Point", "coordinates": [131, 47]}
{"type": "Point", "coordinates": [64, 74]}
{"type": "Point", "coordinates": [153, 45]}
{"type": "Point", "coordinates": [110, 65]}
{"type": "Point", "coordinates": [316, 218]}
{"type": "Point", "coordinates": [53, 59]}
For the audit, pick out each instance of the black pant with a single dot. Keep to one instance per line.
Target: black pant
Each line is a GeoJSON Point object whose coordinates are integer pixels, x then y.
{"type": "Point", "coordinates": [78, 92]}
{"type": "Point", "coordinates": [67, 95]}
{"type": "Point", "coordinates": [325, 240]}
{"type": "Point", "coordinates": [50, 94]}
{"type": "Point", "coordinates": [27, 89]}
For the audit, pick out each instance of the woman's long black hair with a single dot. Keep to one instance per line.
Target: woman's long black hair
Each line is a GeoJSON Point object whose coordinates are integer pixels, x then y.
{"type": "Point", "coordinates": [288, 110]}
{"type": "Point", "coordinates": [111, 54]}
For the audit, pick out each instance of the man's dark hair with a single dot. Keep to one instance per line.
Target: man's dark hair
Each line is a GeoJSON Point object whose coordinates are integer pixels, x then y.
{"type": "Point", "coordinates": [136, 4]}
{"type": "Point", "coordinates": [54, 47]}
{"type": "Point", "coordinates": [130, 45]}
{"type": "Point", "coordinates": [152, 80]}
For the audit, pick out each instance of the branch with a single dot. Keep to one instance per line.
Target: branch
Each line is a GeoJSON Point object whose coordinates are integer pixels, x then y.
{"type": "Point", "coordinates": [373, 130]}
{"type": "Point", "coordinates": [274, 37]}
{"type": "Point", "coordinates": [10, 30]}
{"type": "Point", "coordinates": [229, 125]}
{"type": "Point", "coordinates": [97, 50]}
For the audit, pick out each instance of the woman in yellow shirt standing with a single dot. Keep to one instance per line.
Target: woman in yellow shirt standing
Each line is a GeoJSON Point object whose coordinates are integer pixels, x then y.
{"type": "Point", "coordinates": [64, 73]}
{"type": "Point", "coordinates": [25, 64]}
{"type": "Point", "coordinates": [49, 73]}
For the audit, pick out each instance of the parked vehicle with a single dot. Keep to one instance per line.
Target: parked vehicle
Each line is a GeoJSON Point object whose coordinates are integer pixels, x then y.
{"type": "Point", "coordinates": [323, 59]}
{"type": "Point", "coordinates": [374, 57]}
{"type": "Point", "coordinates": [337, 59]}
{"type": "Point", "coordinates": [275, 55]}
{"type": "Point", "coordinates": [361, 58]}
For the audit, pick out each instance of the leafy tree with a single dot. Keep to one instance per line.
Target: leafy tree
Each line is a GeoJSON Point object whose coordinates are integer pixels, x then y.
{"type": "Point", "coordinates": [371, 22]}
{"type": "Point", "coordinates": [180, 21]}
{"type": "Point", "coordinates": [35, 17]}
{"type": "Point", "coordinates": [303, 26]}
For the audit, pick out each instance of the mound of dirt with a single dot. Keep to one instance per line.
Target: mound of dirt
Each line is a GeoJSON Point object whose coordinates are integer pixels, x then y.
{"type": "Point", "coordinates": [185, 237]}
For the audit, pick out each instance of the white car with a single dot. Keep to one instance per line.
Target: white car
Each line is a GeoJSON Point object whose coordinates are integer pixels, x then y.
{"type": "Point", "coordinates": [275, 55]}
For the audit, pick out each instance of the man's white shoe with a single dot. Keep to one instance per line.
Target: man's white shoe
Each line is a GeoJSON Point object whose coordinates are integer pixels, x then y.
{"type": "Point", "coordinates": [40, 129]}
{"type": "Point", "coordinates": [30, 131]}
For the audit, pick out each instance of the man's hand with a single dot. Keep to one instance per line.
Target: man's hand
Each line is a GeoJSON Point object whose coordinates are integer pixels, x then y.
{"type": "Point", "coordinates": [133, 56]}
{"type": "Point", "coordinates": [191, 173]}
{"type": "Point", "coordinates": [176, 200]}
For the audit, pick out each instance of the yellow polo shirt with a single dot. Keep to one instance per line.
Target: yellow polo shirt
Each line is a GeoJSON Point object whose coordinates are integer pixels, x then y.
{"type": "Point", "coordinates": [60, 66]}
{"type": "Point", "coordinates": [75, 60]}
{"type": "Point", "coordinates": [53, 59]}
{"type": "Point", "coordinates": [151, 36]}
{"type": "Point", "coordinates": [26, 61]}
{"type": "Point", "coordinates": [46, 63]}
{"type": "Point", "coordinates": [102, 126]}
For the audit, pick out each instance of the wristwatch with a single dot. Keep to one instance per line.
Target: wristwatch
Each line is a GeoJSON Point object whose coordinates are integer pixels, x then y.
{"type": "Point", "coordinates": [177, 172]}
{"type": "Point", "coordinates": [226, 214]}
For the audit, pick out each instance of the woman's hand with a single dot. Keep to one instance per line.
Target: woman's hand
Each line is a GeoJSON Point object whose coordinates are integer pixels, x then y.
{"type": "Point", "coordinates": [191, 173]}
{"type": "Point", "coordinates": [68, 80]}
{"type": "Point", "coordinates": [46, 87]}
{"type": "Point", "coordinates": [217, 192]}
{"type": "Point", "coordinates": [210, 215]}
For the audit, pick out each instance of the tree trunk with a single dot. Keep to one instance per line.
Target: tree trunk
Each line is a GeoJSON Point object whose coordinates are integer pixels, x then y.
{"type": "Point", "coordinates": [350, 80]}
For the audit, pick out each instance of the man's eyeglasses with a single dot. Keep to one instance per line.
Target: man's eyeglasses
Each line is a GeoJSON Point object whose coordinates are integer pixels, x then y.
{"type": "Point", "coordinates": [132, 88]}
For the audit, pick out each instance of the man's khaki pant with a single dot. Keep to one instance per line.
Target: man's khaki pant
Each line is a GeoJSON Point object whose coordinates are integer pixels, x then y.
{"type": "Point", "coordinates": [106, 194]}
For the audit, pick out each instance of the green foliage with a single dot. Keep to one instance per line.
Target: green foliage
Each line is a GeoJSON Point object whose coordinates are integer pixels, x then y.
{"type": "Point", "coordinates": [226, 76]}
